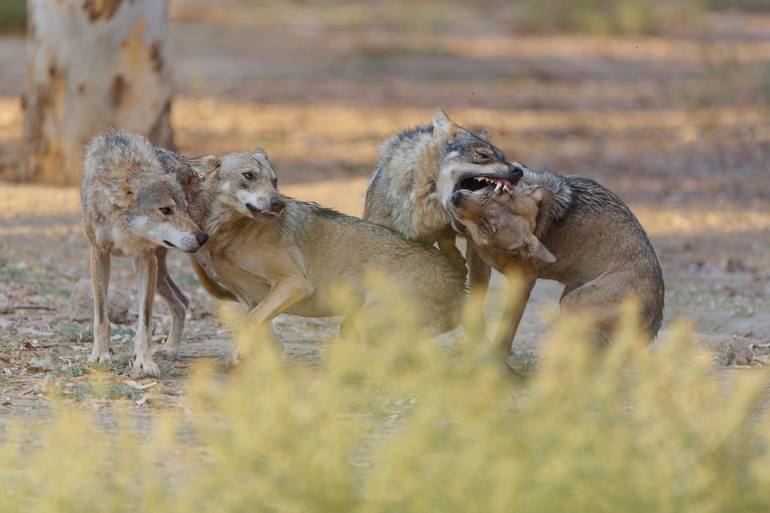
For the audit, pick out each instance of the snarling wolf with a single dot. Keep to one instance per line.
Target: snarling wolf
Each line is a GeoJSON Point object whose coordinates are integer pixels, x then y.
{"type": "Point", "coordinates": [133, 206]}
{"type": "Point", "coordinates": [277, 254]}
{"type": "Point", "coordinates": [572, 230]}
{"type": "Point", "coordinates": [418, 171]}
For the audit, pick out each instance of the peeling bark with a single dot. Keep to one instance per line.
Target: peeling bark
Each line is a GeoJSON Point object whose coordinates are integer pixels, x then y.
{"type": "Point", "coordinates": [92, 64]}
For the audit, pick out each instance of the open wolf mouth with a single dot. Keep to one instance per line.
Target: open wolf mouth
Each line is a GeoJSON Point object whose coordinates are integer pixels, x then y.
{"type": "Point", "coordinates": [477, 182]}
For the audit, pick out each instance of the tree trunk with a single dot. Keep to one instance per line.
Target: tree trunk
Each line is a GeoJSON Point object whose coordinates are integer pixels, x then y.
{"type": "Point", "coordinates": [92, 64]}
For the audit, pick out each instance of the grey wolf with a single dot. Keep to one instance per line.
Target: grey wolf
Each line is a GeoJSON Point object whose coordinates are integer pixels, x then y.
{"type": "Point", "coordinates": [132, 206]}
{"type": "Point", "coordinates": [572, 230]}
{"type": "Point", "coordinates": [418, 171]}
{"type": "Point", "coordinates": [277, 254]}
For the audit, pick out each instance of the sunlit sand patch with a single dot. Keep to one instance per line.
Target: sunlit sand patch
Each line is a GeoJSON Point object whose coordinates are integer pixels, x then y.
{"type": "Point", "coordinates": [41, 230]}
{"type": "Point", "coordinates": [662, 221]}
{"type": "Point", "coordinates": [24, 200]}
{"type": "Point", "coordinates": [348, 135]}
{"type": "Point", "coordinates": [347, 196]}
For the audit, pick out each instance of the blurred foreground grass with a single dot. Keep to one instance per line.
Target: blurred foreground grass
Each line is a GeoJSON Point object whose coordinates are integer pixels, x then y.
{"type": "Point", "coordinates": [403, 424]}
{"type": "Point", "coordinates": [13, 15]}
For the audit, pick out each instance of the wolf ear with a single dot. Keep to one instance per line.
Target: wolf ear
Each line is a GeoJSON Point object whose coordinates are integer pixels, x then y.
{"type": "Point", "coordinates": [485, 135]}
{"type": "Point", "coordinates": [443, 126]}
{"type": "Point", "coordinates": [540, 194]}
{"type": "Point", "coordinates": [119, 191]}
{"type": "Point", "coordinates": [121, 195]}
{"type": "Point", "coordinates": [203, 166]}
{"type": "Point", "coordinates": [538, 251]}
{"type": "Point", "coordinates": [259, 152]}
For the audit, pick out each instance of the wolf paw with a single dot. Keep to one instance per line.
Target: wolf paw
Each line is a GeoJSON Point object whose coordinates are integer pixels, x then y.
{"type": "Point", "coordinates": [100, 357]}
{"type": "Point", "coordinates": [167, 350]}
{"type": "Point", "coordinates": [144, 366]}
{"type": "Point", "coordinates": [231, 359]}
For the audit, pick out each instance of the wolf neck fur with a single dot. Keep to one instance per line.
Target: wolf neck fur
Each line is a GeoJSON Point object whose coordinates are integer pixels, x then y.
{"type": "Point", "coordinates": [217, 218]}
{"type": "Point", "coordinates": [554, 210]}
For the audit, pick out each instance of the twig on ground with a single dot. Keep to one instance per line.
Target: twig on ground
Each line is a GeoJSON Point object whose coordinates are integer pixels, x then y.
{"type": "Point", "coordinates": [12, 308]}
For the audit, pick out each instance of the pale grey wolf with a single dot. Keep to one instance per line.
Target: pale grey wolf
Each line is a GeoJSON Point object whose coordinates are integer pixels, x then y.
{"type": "Point", "coordinates": [132, 206]}
{"type": "Point", "coordinates": [572, 230]}
{"type": "Point", "coordinates": [276, 254]}
{"type": "Point", "coordinates": [420, 168]}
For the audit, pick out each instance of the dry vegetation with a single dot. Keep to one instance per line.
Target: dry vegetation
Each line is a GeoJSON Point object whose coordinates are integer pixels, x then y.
{"type": "Point", "coordinates": [399, 424]}
{"type": "Point", "coordinates": [677, 123]}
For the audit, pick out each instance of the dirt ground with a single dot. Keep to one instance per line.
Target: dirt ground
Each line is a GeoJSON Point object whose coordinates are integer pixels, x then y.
{"type": "Point", "coordinates": [679, 127]}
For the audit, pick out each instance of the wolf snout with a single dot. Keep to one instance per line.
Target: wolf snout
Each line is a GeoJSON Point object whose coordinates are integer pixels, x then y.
{"type": "Point", "coordinates": [516, 171]}
{"type": "Point", "coordinates": [275, 207]}
{"type": "Point", "coordinates": [277, 204]}
{"type": "Point", "coordinates": [456, 198]}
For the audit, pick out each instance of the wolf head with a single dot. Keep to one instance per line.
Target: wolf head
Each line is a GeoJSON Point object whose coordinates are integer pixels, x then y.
{"type": "Point", "coordinates": [155, 209]}
{"type": "Point", "coordinates": [141, 192]}
{"type": "Point", "coordinates": [469, 161]}
{"type": "Point", "coordinates": [242, 182]}
{"type": "Point", "coordinates": [502, 221]}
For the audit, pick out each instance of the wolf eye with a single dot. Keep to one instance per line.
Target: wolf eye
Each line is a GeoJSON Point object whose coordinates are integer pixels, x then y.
{"type": "Point", "coordinates": [166, 211]}
{"type": "Point", "coordinates": [483, 155]}
{"type": "Point", "coordinates": [248, 175]}
{"type": "Point", "coordinates": [274, 181]}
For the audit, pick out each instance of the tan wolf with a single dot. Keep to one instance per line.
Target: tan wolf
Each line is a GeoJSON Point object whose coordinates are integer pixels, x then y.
{"type": "Point", "coordinates": [277, 254]}
{"type": "Point", "coordinates": [132, 206]}
{"type": "Point", "coordinates": [572, 230]}
{"type": "Point", "coordinates": [420, 168]}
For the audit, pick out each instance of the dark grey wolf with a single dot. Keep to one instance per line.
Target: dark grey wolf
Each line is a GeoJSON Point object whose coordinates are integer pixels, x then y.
{"type": "Point", "coordinates": [420, 168]}
{"type": "Point", "coordinates": [572, 230]}
{"type": "Point", "coordinates": [277, 254]}
{"type": "Point", "coordinates": [132, 206]}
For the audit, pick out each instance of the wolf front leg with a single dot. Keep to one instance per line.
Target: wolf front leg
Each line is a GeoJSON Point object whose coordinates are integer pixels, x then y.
{"type": "Point", "coordinates": [446, 243]}
{"type": "Point", "coordinates": [177, 303]}
{"type": "Point", "coordinates": [509, 324]}
{"type": "Point", "coordinates": [147, 275]}
{"type": "Point", "coordinates": [100, 280]}
{"type": "Point", "coordinates": [479, 272]}
{"type": "Point", "coordinates": [283, 293]}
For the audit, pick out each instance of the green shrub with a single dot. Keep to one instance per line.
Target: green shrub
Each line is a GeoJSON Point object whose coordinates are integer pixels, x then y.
{"type": "Point", "coordinates": [397, 424]}
{"type": "Point", "coordinates": [13, 15]}
{"type": "Point", "coordinates": [609, 17]}
{"type": "Point", "coordinates": [739, 5]}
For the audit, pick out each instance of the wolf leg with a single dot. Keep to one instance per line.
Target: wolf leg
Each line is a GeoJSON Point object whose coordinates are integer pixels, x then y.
{"type": "Point", "coordinates": [479, 272]}
{"type": "Point", "coordinates": [100, 280]}
{"type": "Point", "coordinates": [446, 243]}
{"type": "Point", "coordinates": [599, 299]}
{"type": "Point", "coordinates": [177, 302]}
{"type": "Point", "coordinates": [283, 294]}
{"type": "Point", "coordinates": [509, 324]}
{"type": "Point", "coordinates": [147, 276]}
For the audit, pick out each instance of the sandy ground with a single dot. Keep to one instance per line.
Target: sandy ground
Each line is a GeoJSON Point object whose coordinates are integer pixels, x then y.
{"type": "Point", "coordinates": [674, 125]}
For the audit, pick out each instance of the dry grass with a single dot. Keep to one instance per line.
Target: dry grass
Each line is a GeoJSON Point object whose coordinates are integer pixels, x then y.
{"type": "Point", "coordinates": [404, 424]}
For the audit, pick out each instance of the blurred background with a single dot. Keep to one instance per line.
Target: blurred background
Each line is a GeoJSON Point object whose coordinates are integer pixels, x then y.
{"type": "Point", "coordinates": [666, 102]}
